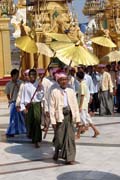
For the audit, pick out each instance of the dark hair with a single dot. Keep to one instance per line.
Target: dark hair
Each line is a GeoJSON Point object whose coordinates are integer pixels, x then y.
{"type": "Point", "coordinates": [108, 66]}
{"type": "Point", "coordinates": [80, 75]}
{"type": "Point", "coordinates": [32, 71]}
{"type": "Point", "coordinates": [14, 72]}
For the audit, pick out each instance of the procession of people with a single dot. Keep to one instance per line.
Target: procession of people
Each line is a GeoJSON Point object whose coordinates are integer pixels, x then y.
{"type": "Point", "coordinates": [66, 99]}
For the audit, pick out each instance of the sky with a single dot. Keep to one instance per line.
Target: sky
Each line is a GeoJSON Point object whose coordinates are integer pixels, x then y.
{"type": "Point", "coordinates": [77, 5]}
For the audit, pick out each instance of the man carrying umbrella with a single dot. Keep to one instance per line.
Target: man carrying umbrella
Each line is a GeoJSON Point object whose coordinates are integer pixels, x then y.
{"type": "Point", "coordinates": [31, 98]}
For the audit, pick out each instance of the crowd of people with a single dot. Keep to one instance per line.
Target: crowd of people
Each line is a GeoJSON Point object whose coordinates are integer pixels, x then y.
{"type": "Point", "coordinates": [67, 96]}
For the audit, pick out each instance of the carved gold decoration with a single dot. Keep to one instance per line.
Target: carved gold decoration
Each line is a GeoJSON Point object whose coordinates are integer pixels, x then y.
{"type": "Point", "coordinates": [7, 7]}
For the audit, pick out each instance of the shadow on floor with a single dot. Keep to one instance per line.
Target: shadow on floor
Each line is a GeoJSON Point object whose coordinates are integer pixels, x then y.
{"type": "Point", "coordinates": [88, 175]}
{"type": "Point", "coordinates": [28, 151]}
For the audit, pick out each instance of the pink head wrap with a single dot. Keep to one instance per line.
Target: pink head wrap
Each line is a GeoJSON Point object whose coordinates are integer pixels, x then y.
{"type": "Point", "coordinates": [60, 75]}
{"type": "Point", "coordinates": [26, 72]}
{"type": "Point", "coordinates": [40, 71]}
{"type": "Point", "coordinates": [102, 65]}
{"type": "Point", "coordinates": [54, 70]}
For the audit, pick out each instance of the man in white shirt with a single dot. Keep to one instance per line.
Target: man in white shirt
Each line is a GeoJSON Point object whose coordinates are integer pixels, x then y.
{"type": "Point", "coordinates": [30, 103]}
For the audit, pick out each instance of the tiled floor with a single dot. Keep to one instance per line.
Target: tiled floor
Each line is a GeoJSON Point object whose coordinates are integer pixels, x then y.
{"type": "Point", "coordinates": [96, 158]}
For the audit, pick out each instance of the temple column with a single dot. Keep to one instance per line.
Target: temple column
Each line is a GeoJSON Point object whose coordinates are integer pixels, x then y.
{"type": "Point", "coordinates": [5, 54]}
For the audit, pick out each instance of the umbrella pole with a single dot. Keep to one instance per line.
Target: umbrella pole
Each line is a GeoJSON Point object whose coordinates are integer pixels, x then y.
{"type": "Point", "coordinates": [36, 57]}
{"type": "Point", "coordinates": [20, 66]}
{"type": "Point", "coordinates": [68, 69]}
{"type": "Point", "coordinates": [40, 80]}
{"type": "Point", "coordinates": [47, 67]}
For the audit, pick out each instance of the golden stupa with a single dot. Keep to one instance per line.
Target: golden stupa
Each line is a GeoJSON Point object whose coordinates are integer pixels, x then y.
{"type": "Point", "coordinates": [107, 18]}
{"type": "Point", "coordinates": [49, 16]}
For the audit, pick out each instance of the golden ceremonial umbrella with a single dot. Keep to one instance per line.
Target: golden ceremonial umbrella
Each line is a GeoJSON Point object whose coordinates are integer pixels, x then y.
{"type": "Point", "coordinates": [77, 53]}
{"type": "Point", "coordinates": [27, 44]}
{"type": "Point", "coordinates": [59, 37]}
{"type": "Point", "coordinates": [103, 41]}
{"type": "Point", "coordinates": [111, 57]}
{"type": "Point", "coordinates": [44, 49]}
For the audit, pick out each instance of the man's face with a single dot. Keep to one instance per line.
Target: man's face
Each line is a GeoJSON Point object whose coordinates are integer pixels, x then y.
{"type": "Point", "coordinates": [63, 82]}
{"type": "Point", "coordinates": [26, 77]}
{"type": "Point", "coordinates": [80, 69]}
{"type": "Point", "coordinates": [15, 77]}
{"type": "Point", "coordinates": [101, 70]}
{"type": "Point", "coordinates": [32, 77]}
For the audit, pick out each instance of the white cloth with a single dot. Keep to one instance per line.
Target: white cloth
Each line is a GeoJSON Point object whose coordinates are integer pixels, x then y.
{"type": "Point", "coordinates": [118, 77]}
{"type": "Point", "coordinates": [56, 105]}
{"type": "Point", "coordinates": [19, 94]}
{"type": "Point", "coordinates": [27, 93]}
{"type": "Point", "coordinates": [47, 84]}
{"type": "Point", "coordinates": [96, 80]}
{"type": "Point", "coordinates": [89, 83]}
{"type": "Point", "coordinates": [65, 98]}
{"type": "Point", "coordinates": [85, 117]}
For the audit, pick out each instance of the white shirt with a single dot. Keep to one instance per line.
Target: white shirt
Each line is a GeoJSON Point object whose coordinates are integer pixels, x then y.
{"type": "Point", "coordinates": [27, 93]}
{"type": "Point", "coordinates": [65, 97]}
{"type": "Point", "coordinates": [96, 80]}
{"type": "Point", "coordinates": [89, 83]}
{"type": "Point", "coordinates": [118, 77]}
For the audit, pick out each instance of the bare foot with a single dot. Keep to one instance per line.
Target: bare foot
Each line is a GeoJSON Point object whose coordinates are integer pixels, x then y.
{"type": "Point", "coordinates": [70, 162]}
{"type": "Point", "coordinates": [96, 134]}
{"type": "Point", "coordinates": [77, 136]}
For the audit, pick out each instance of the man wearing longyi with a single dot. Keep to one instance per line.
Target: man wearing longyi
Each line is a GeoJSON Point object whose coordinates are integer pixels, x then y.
{"type": "Point", "coordinates": [64, 112]}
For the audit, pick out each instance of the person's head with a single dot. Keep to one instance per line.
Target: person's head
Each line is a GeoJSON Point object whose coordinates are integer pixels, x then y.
{"type": "Point", "coordinates": [108, 68]}
{"type": "Point", "coordinates": [40, 72]}
{"type": "Point", "coordinates": [52, 71]}
{"type": "Point", "coordinates": [113, 66]}
{"type": "Point", "coordinates": [89, 69]}
{"type": "Point", "coordinates": [51, 68]}
{"type": "Point", "coordinates": [32, 75]}
{"type": "Point", "coordinates": [26, 75]}
{"type": "Point", "coordinates": [14, 75]}
{"type": "Point", "coordinates": [62, 79]}
{"type": "Point", "coordinates": [118, 62]}
{"type": "Point", "coordinates": [101, 68]}
{"type": "Point", "coordinates": [80, 68]}
{"type": "Point", "coordinates": [118, 66]}
{"type": "Point", "coordinates": [94, 68]}
{"type": "Point", "coordinates": [55, 71]}
{"type": "Point", "coordinates": [72, 71]}
{"type": "Point", "coordinates": [80, 75]}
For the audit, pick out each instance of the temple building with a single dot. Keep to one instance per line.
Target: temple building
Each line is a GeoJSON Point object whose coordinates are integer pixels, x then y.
{"type": "Point", "coordinates": [107, 16]}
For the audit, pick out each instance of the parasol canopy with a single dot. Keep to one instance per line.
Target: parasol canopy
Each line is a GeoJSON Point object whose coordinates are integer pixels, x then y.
{"type": "Point", "coordinates": [103, 41]}
{"type": "Point", "coordinates": [44, 49]}
{"type": "Point", "coordinates": [67, 51]}
{"type": "Point", "coordinates": [27, 44]}
{"type": "Point", "coordinates": [111, 57]}
{"type": "Point", "coordinates": [59, 37]}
